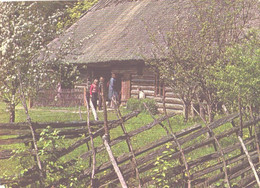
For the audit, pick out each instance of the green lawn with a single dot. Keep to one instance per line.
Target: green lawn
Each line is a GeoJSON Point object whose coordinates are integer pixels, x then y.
{"type": "Point", "coordinates": [45, 114]}
{"type": "Point", "coordinates": [15, 165]}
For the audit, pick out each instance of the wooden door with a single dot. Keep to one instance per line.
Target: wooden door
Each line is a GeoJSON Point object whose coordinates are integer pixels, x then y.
{"type": "Point", "coordinates": [125, 88]}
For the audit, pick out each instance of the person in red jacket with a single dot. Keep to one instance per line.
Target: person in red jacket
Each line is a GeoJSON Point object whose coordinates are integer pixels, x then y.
{"type": "Point", "coordinates": [93, 91]}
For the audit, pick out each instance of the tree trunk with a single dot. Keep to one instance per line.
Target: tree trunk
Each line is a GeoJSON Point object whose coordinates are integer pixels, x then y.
{"type": "Point", "coordinates": [210, 113]}
{"type": "Point", "coordinates": [11, 113]}
{"type": "Point", "coordinates": [12, 110]}
{"type": "Point", "coordinates": [186, 107]}
{"type": "Point", "coordinates": [201, 107]}
{"type": "Point", "coordinates": [202, 111]}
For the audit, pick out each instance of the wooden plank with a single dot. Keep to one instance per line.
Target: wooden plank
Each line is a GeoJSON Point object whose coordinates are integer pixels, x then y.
{"type": "Point", "coordinates": [169, 100]}
{"type": "Point", "coordinates": [144, 76]}
{"type": "Point", "coordinates": [142, 80]}
{"type": "Point", "coordinates": [168, 89]}
{"type": "Point", "coordinates": [147, 92]}
{"type": "Point", "coordinates": [171, 106]}
{"type": "Point", "coordinates": [138, 84]}
{"type": "Point", "coordinates": [170, 111]}
{"type": "Point", "coordinates": [149, 88]}
{"type": "Point", "coordinates": [171, 94]}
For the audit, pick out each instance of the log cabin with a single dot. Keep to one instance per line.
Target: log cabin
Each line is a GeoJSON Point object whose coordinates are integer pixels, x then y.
{"type": "Point", "coordinates": [115, 36]}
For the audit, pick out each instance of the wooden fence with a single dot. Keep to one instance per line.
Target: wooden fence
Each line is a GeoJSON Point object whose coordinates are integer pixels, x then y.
{"type": "Point", "coordinates": [228, 164]}
{"type": "Point", "coordinates": [64, 98]}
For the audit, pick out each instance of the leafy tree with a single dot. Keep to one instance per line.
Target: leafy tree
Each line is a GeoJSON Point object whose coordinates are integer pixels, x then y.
{"type": "Point", "coordinates": [25, 29]}
{"type": "Point", "coordinates": [74, 12]}
{"type": "Point", "coordinates": [241, 65]}
{"type": "Point", "coordinates": [197, 41]}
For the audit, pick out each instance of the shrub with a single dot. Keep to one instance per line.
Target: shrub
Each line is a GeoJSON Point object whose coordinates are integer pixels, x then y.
{"type": "Point", "coordinates": [138, 104]}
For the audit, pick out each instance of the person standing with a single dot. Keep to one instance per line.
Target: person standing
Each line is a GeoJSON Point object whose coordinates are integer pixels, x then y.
{"type": "Point", "coordinates": [141, 94]}
{"type": "Point", "coordinates": [93, 91]}
{"type": "Point", "coordinates": [112, 90]}
{"type": "Point", "coordinates": [100, 85]}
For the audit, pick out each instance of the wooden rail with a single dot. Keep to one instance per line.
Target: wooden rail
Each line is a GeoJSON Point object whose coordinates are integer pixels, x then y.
{"type": "Point", "coordinates": [204, 170]}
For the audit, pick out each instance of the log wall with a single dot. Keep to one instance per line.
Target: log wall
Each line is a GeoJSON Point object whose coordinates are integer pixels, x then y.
{"type": "Point", "coordinates": [147, 82]}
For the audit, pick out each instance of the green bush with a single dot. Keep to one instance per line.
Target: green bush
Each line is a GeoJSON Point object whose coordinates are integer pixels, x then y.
{"type": "Point", "coordinates": [138, 104]}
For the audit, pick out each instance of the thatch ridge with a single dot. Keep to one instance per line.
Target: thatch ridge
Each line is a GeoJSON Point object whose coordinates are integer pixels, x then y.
{"type": "Point", "coordinates": [116, 30]}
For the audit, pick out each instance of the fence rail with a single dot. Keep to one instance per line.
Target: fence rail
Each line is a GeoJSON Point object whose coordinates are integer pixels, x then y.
{"type": "Point", "coordinates": [204, 170]}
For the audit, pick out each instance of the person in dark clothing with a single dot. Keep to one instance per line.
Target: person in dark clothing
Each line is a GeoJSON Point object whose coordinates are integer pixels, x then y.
{"type": "Point", "coordinates": [93, 91]}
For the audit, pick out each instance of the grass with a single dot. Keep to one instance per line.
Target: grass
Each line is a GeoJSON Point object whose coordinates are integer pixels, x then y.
{"type": "Point", "coordinates": [46, 114]}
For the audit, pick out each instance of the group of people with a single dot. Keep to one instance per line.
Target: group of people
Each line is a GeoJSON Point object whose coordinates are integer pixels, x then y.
{"type": "Point", "coordinates": [95, 92]}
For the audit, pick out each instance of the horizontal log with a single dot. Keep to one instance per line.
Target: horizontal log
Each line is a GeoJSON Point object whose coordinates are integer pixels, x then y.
{"type": "Point", "coordinates": [9, 132]}
{"type": "Point", "coordinates": [135, 96]}
{"type": "Point", "coordinates": [143, 81]}
{"type": "Point", "coordinates": [14, 126]}
{"type": "Point", "coordinates": [168, 89]}
{"type": "Point", "coordinates": [6, 154]}
{"type": "Point", "coordinates": [171, 106]}
{"type": "Point", "coordinates": [144, 76]}
{"type": "Point", "coordinates": [144, 84]}
{"type": "Point", "coordinates": [28, 138]}
{"type": "Point", "coordinates": [10, 141]}
{"type": "Point", "coordinates": [169, 100]}
{"type": "Point", "coordinates": [147, 92]}
{"type": "Point", "coordinates": [36, 125]}
{"type": "Point", "coordinates": [149, 88]}
{"type": "Point", "coordinates": [170, 111]}
{"type": "Point", "coordinates": [171, 94]}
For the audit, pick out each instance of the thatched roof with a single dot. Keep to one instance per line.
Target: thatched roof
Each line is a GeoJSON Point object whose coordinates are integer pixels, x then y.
{"type": "Point", "coordinates": [117, 31]}
{"type": "Point", "coordinates": [120, 30]}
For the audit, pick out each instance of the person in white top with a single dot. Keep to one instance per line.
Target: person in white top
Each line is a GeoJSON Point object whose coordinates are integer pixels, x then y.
{"type": "Point", "coordinates": [141, 94]}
